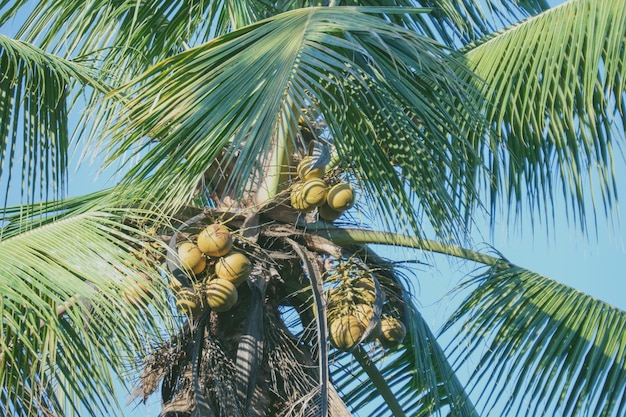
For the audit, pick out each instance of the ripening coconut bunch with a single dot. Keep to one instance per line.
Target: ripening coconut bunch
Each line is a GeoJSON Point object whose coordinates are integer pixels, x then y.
{"type": "Point", "coordinates": [350, 308]}
{"type": "Point", "coordinates": [312, 191]}
{"type": "Point", "coordinates": [226, 270]}
{"type": "Point", "coordinates": [350, 305]}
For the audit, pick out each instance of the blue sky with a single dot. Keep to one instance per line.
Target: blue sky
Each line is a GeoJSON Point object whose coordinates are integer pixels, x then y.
{"type": "Point", "coordinates": [594, 265]}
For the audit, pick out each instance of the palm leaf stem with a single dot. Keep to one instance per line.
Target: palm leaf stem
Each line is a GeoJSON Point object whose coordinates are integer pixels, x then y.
{"type": "Point", "coordinates": [350, 236]}
{"type": "Point", "coordinates": [378, 380]}
{"type": "Point", "coordinates": [315, 275]}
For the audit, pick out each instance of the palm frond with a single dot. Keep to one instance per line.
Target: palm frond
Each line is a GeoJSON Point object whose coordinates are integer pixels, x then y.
{"type": "Point", "coordinates": [467, 20]}
{"type": "Point", "coordinates": [545, 348]}
{"type": "Point", "coordinates": [555, 88]}
{"type": "Point", "coordinates": [191, 21]}
{"type": "Point", "coordinates": [384, 92]}
{"type": "Point", "coordinates": [118, 38]}
{"type": "Point", "coordinates": [75, 316]}
{"type": "Point", "coordinates": [33, 110]}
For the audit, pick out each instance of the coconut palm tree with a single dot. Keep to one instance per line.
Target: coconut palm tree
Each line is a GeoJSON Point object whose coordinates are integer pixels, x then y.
{"type": "Point", "coordinates": [300, 133]}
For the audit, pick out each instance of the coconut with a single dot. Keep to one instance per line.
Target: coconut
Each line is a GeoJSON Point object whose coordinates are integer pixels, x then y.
{"type": "Point", "coordinates": [235, 267]}
{"type": "Point", "coordinates": [189, 255]}
{"type": "Point", "coordinates": [365, 290]}
{"type": "Point", "coordinates": [346, 331]}
{"type": "Point", "coordinates": [328, 213]}
{"type": "Point", "coordinates": [297, 199]}
{"type": "Point", "coordinates": [393, 331]}
{"type": "Point", "coordinates": [215, 240]}
{"type": "Point", "coordinates": [340, 196]}
{"type": "Point", "coordinates": [221, 294]}
{"type": "Point", "coordinates": [306, 173]}
{"type": "Point", "coordinates": [314, 191]}
{"type": "Point", "coordinates": [188, 302]}
{"type": "Point", "coordinates": [365, 313]}
{"type": "Point", "coordinates": [200, 266]}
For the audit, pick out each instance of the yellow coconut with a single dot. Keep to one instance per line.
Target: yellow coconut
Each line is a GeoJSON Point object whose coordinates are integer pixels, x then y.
{"type": "Point", "coordinates": [200, 266]}
{"type": "Point", "coordinates": [393, 331]}
{"type": "Point", "coordinates": [215, 240]}
{"type": "Point", "coordinates": [188, 302]}
{"type": "Point", "coordinates": [364, 290]}
{"type": "Point", "coordinates": [297, 199]}
{"type": "Point", "coordinates": [305, 172]}
{"type": "Point", "coordinates": [327, 213]}
{"type": "Point", "coordinates": [345, 331]}
{"type": "Point", "coordinates": [235, 267]}
{"type": "Point", "coordinates": [189, 255]}
{"type": "Point", "coordinates": [220, 294]}
{"type": "Point", "coordinates": [340, 197]}
{"type": "Point", "coordinates": [365, 314]}
{"type": "Point", "coordinates": [314, 192]}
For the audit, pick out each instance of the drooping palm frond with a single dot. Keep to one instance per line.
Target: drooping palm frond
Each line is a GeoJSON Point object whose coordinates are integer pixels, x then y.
{"type": "Point", "coordinates": [33, 110]}
{"type": "Point", "coordinates": [555, 88]}
{"type": "Point", "coordinates": [545, 348]}
{"type": "Point", "coordinates": [384, 93]}
{"type": "Point", "coordinates": [74, 300]}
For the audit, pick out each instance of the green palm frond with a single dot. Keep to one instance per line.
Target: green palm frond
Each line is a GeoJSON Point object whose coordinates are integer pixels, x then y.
{"type": "Point", "coordinates": [191, 21]}
{"type": "Point", "coordinates": [74, 318]}
{"type": "Point", "coordinates": [544, 347]}
{"type": "Point", "coordinates": [33, 110]}
{"type": "Point", "coordinates": [467, 20]}
{"type": "Point", "coordinates": [387, 96]}
{"type": "Point", "coordinates": [119, 38]}
{"type": "Point", "coordinates": [555, 88]}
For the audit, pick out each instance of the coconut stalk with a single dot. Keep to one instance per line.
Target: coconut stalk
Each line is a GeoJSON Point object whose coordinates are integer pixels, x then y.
{"type": "Point", "coordinates": [345, 237]}
{"type": "Point", "coordinates": [317, 286]}
{"type": "Point", "coordinates": [378, 380]}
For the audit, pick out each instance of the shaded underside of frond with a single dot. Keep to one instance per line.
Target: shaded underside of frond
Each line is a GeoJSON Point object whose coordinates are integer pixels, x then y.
{"type": "Point", "coordinates": [74, 304]}
{"type": "Point", "coordinates": [555, 88]}
{"type": "Point", "coordinates": [546, 348]}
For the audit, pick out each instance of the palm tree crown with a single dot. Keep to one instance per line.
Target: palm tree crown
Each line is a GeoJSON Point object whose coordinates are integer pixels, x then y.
{"type": "Point", "coordinates": [263, 148]}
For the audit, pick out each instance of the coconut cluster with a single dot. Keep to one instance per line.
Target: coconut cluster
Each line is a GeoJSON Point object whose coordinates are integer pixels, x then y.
{"type": "Point", "coordinates": [312, 191]}
{"type": "Point", "coordinates": [350, 310]}
{"type": "Point", "coordinates": [216, 268]}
